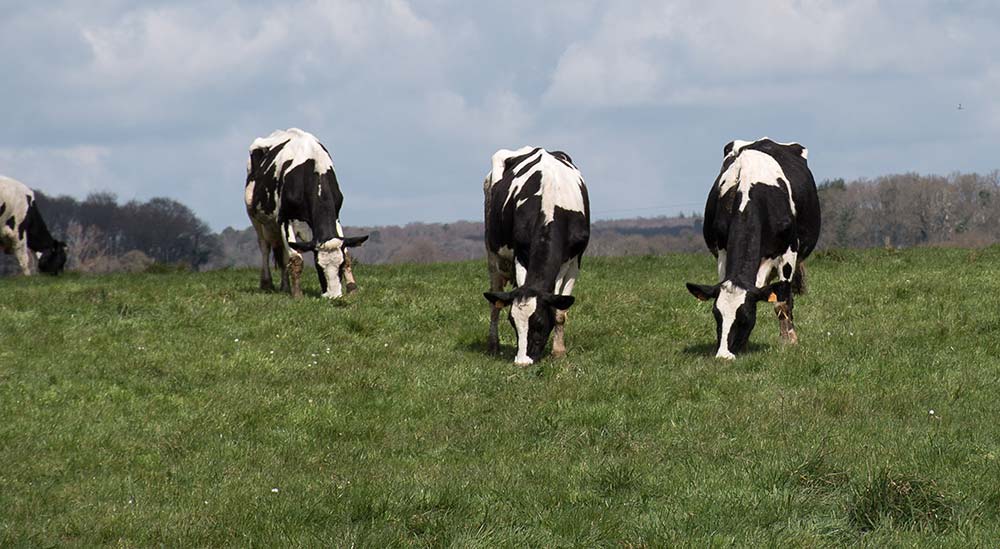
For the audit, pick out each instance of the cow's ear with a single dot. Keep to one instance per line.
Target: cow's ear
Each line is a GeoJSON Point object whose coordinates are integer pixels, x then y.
{"type": "Point", "coordinates": [353, 241]}
{"type": "Point", "coordinates": [560, 302]}
{"type": "Point", "coordinates": [774, 293]}
{"type": "Point", "coordinates": [728, 149]}
{"type": "Point", "coordinates": [499, 299]}
{"type": "Point", "coordinates": [703, 292]}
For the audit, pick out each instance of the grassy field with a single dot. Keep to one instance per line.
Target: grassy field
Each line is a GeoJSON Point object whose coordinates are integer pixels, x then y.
{"type": "Point", "coordinates": [194, 410]}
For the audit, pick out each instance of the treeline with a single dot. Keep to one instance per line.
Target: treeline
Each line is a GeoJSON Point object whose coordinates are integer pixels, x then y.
{"type": "Point", "coordinates": [105, 236]}
{"type": "Point", "coordinates": [911, 210]}
{"type": "Point", "coordinates": [892, 211]}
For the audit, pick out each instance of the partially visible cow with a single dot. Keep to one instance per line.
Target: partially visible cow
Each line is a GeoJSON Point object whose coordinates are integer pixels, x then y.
{"type": "Point", "coordinates": [293, 200]}
{"type": "Point", "coordinates": [762, 218]}
{"type": "Point", "coordinates": [22, 229]}
{"type": "Point", "coordinates": [537, 228]}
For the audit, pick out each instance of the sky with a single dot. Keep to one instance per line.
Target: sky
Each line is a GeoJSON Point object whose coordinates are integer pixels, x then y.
{"type": "Point", "coordinates": [412, 97]}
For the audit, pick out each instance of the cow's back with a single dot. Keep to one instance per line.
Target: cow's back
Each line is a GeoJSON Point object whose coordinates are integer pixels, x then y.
{"type": "Point", "coordinates": [530, 190]}
{"type": "Point", "coordinates": [784, 171]}
{"type": "Point", "coordinates": [15, 197]}
{"type": "Point", "coordinates": [290, 175]}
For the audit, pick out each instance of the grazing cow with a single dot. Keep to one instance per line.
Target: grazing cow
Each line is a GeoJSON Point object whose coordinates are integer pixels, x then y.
{"type": "Point", "coordinates": [293, 200]}
{"type": "Point", "coordinates": [22, 229]}
{"type": "Point", "coordinates": [762, 217]}
{"type": "Point", "coordinates": [537, 228]}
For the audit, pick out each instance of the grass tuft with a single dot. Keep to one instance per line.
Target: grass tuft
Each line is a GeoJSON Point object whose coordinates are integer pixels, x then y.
{"type": "Point", "coordinates": [899, 500]}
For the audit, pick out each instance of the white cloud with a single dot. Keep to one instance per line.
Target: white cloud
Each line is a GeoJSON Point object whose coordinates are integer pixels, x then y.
{"type": "Point", "coordinates": [651, 53]}
{"type": "Point", "coordinates": [162, 98]}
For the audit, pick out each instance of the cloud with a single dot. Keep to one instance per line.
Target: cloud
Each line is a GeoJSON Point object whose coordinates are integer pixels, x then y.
{"type": "Point", "coordinates": [411, 98]}
{"type": "Point", "coordinates": [685, 52]}
{"type": "Point", "coordinates": [69, 170]}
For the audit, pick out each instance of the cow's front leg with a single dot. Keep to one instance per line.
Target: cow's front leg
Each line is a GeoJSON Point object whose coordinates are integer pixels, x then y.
{"type": "Point", "coordinates": [281, 262]}
{"type": "Point", "coordinates": [295, 273]}
{"type": "Point", "coordinates": [558, 342]}
{"type": "Point", "coordinates": [349, 284]}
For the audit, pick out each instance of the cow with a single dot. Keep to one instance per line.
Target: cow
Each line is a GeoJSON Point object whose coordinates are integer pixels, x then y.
{"type": "Point", "coordinates": [22, 229]}
{"type": "Point", "coordinates": [537, 228]}
{"type": "Point", "coordinates": [762, 218]}
{"type": "Point", "coordinates": [293, 201]}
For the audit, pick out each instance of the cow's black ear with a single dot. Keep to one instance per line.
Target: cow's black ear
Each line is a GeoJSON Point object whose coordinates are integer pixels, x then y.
{"type": "Point", "coordinates": [728, 149]}
{"type": "Point", "coordinates": [499, 299]}
{"type": "Point", "coordinates": [774, 293]}
{"type": "Point", "coordinates": [303, 246]}
{"type": "Point", "coordinates": [560, 302]}
{"type": "Point", "coordinates": [703, 292]}
{"type": "Point", "coordinates": [352, 241]}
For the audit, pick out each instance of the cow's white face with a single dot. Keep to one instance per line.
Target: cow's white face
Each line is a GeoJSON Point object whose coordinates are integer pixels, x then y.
{"type": "Point", "coordinates": [735, 311]}
{"type": "Point", "coordinates": [521, 312]}
{"type": "Point", "coordinates": [735, 316]}
{"type": "Point", "coordinates": [533, 316]}
{"type": "Point", "coordinates": [329, 260]}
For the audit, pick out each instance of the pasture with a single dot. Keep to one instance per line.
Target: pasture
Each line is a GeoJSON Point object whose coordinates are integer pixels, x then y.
{"type": "Point", "coordinates": [195, 410]}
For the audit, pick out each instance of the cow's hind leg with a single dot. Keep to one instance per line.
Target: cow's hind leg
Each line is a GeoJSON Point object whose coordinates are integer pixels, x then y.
{"type": "Point", "coordinates": [564, 284]}
{"type": "Point", "coordinates": [23, 258]}
{"type": "Point", "coordinates": [558, 339]}
{"type": "Point", "coordinates": [295, 273]}
{"type": "Point", "coordinates": [281, 263]}
{"type": "Point", "coordinates": [265, 265]}
{"type": "Point", "coordinates": [799, 280]}
{"type": "Point", "coordinates": [784, 311]}
{"type": "Point", "coordinates": [788, 271]}
{"type": "Point", "coordinates": [349, 283]}
{"type": "Point", "coordinates": [497, 282]}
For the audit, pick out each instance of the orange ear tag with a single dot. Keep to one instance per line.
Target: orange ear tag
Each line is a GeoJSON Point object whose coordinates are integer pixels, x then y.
{"type": "Point", "coordinates": [773, 298]}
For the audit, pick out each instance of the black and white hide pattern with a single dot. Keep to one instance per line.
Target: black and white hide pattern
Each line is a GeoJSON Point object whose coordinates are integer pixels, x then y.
{"type": "Point", "coordinates": [23, 231]}
{"type": "Point", "coordinates": [762, 220]}
{"type": "Point", "coordinates": [537, 228]}
{"type": "Point", "coordinates": [293, 200]}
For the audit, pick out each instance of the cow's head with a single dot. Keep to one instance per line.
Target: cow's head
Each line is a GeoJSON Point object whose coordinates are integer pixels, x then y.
{"type": "Point", "coordinates": [735, 311]}
{"type": "Point", "coordinates": [53, 259]}
{"type": "Point", "coordinates": [331, 261]}
{"type": "Point", "coordinates": [533, 315]}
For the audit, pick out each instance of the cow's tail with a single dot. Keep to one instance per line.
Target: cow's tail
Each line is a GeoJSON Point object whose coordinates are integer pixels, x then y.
{"type": "Point", "coordinates": [799, 279]}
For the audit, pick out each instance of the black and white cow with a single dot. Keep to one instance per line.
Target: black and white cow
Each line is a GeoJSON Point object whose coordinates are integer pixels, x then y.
{"type": "Point", "coordinates": [537, 228]}
{"type": "Point", "coordinates": [293, 200]}
{"type": "Point", "coordinates": [762, 217]}
{"type": "Point", "coordinates": [22, 229]}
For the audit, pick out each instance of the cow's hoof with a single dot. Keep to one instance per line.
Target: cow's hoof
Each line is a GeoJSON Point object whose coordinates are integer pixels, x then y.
{"type": "Point", "coordinates": [493, 350]}
{"type": "Point", "coordinates": [790, 338]}
{"type": "Point", "coordinates": [560, 353]}
{"type": "Point", "coordinates": [267, 286]}
{"type": "Point", "coordinates": [351, 287]}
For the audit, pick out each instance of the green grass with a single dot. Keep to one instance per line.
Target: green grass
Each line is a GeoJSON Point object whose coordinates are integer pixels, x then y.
{"type": "Point", "coordinates": [194, 410]}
